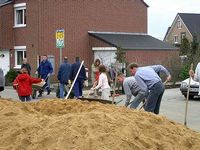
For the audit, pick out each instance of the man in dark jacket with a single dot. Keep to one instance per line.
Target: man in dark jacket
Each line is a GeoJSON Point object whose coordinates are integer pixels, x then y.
{"type": "Point", "coordinates": [78, 86]}
{"type": "Point", "coordinates": [45, 70]}
{"type": "Point", "coordinates": [64, 75]}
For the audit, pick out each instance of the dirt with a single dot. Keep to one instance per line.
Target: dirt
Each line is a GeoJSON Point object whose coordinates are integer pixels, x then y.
{"type": "Point", "coordinates": [78, 125]}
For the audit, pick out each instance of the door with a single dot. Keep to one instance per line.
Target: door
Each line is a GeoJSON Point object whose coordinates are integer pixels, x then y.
{"type": "Point", "coordinates": [106, 57]}
{"type": "Point", "coordinates": [5, 61]}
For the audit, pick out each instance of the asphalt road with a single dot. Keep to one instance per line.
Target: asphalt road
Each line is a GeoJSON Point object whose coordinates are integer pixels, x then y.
{"type": "Point", "coordinates": [173, 106]}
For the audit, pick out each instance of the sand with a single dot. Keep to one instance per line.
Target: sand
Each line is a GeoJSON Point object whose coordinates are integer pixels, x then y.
{"type": "Point", "coordinates": [77, 125]}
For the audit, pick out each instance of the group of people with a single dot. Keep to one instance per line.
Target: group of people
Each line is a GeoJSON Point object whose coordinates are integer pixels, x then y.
{"type": "Point", "coordinates": [144, 83]}
{"type": "Point", "coordinates": [102, 78]}
{"type": "Point", "coordinates": [67, 72]}
{"type": "Point", "coordinates": [23, 82]}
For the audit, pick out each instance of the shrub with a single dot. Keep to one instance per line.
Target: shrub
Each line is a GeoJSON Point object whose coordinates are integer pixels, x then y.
{"type": "Point", "coordinates": [184, 72]}
{"type": "Point", "coordinates": [10, 76]}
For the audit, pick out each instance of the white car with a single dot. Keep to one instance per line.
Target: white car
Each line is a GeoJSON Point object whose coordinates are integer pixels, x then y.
{"type": "Point", "coordinates": [194, 88]}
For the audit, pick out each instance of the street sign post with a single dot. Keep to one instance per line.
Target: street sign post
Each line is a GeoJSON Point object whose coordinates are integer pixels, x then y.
{"type": "Point", "coordinates": [60, 38]}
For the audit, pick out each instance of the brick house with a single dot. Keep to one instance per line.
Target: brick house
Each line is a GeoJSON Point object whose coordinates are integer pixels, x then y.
{"type": "Point", "coordinates": [28, 29]}
{"type": "Point", "coordinates": [184, 25]}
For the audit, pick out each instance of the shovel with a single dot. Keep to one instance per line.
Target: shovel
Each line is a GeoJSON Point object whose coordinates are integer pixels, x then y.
{"type": "Point", "coordinates": [187, 98]}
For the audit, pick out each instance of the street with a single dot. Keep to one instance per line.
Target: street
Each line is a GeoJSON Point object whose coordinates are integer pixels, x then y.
{"type": "Point", "coordinates": [173, 105]}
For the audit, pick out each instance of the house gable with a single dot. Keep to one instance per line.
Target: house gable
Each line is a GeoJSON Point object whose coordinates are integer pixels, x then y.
{"type": "Point", "coordinates": [174, 33]}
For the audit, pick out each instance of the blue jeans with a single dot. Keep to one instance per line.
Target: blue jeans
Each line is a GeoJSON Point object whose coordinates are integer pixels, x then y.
{"type": "Point", "coordinates": [25, 98]}
{"type": "Point", "coordinates": [47, 84]}
{"type": "Point", "coordinates": [78, 87]}
{"type": "Point", "coordinates": [62, 90]}
{"type": "Point", "coordinates": [138, 99]}
{"type": "Point", "coordinates": [154, 98]}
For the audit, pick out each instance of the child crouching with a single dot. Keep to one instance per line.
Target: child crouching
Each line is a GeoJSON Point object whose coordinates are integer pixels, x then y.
{"type": "Point", "coordinates": [23, 85]}
{"type": "Point", "coordinates": [103, 83]}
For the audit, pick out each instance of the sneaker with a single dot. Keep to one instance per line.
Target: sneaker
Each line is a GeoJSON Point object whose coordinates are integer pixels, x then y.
{"type": "Point", "coordinates": [48, 92]}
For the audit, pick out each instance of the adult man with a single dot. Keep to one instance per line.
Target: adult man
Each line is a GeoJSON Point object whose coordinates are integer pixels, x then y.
{"type": "Point", "coordinates": [78, 86]}
{"type": "Point", "coordinates": [148, 80]}
{"type": "Point", "coordinates": [64, 75]}
{"type": "Point", "coordinates": [45, 70]}
{"type": "Point", "coordinates": [26, 65]}
{"type": "Point", "coordinates": [131, 88]}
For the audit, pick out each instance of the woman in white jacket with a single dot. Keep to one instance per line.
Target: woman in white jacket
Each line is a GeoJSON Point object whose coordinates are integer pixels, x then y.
{"type": "Point", "coordinates": [103, 83]}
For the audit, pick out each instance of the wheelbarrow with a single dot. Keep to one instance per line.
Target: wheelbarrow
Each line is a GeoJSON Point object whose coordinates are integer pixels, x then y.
{"type": "Point", "coordinates": [37, 87]}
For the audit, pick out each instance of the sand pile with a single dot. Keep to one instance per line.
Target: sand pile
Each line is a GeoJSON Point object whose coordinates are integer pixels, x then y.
{"type": "Point", "coordinates": [77, 125]}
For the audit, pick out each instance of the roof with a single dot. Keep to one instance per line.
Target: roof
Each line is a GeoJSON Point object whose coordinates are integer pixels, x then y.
{"type": "Point", "coordinates": [192, 22]}
{"type": "Point", "coordinates": [168, 29]}
{"type": "Point", "coordinates": [144, 3]}
{"type": "Point", "coordinates": [132, 41]}
{"type": "Point", "coordinates": [4, 2]}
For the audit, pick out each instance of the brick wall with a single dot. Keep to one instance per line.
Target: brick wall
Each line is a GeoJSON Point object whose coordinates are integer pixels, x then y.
{"type": "Point", "coordinates": [6, 27]}
{"type": "Point", "coordinates": [150, 57]}
{"type": "Point", "coordinates": [76, 17]}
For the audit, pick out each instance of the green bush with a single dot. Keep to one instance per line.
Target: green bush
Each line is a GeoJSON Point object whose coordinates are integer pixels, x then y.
{"type": "Point", "coordinates": [184, 72]}
{"type": "Point", "coordinates": [10, 76]}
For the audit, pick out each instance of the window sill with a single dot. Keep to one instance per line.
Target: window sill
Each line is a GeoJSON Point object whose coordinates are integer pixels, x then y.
{"type": "Point", "coordinates": [19, 26]}
{"type": "Point", "coordinates": [17, 67]}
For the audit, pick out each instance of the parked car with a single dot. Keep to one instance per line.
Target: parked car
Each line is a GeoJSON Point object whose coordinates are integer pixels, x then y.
{"type": "Point", "coordinates": [194, 88]}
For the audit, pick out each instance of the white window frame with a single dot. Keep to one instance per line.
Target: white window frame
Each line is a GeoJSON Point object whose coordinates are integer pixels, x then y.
{"type": "Point", "coordinates": [19, 48]}
{"type": "Point", "coordinates": [179, 24]}
{"type": "Point", "coordinates": [175, 39]}
{"type": "Point", "coordinates": [20, 6]}
{"type": "Point", "coordinates": [183, 35]}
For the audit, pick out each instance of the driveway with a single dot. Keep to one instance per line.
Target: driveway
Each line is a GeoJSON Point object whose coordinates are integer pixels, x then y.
{"type": "Point", "coordinates": [173, 106]}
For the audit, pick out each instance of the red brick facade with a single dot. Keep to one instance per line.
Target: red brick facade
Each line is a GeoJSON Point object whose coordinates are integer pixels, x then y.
{"type": "Point", "coordinates": [150, 57]}
{"type": "Point", "coordinates": [76, 17]}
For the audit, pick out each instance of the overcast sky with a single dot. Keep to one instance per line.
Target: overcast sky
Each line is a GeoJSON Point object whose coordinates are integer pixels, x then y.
{"type": "Point", "coordinates": [161, 14]}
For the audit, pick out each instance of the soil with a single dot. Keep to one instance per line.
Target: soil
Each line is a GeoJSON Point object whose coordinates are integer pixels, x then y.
{"type": "Point", "coordinates": [83, 125]}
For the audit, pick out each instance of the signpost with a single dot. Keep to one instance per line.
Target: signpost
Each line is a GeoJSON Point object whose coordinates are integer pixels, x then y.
{"type": "Point", "coordinates": [60, 38]}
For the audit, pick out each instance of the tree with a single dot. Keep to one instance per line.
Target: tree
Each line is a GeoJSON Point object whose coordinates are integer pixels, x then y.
{"type": "Point", "coordinates": [184, 47]}
{"type": "Point", "coordinates": [121, 59]}
{"type": "Point", "coordinates": [120, 55]}
{"type": "Point", "coordinates": [192, 51]}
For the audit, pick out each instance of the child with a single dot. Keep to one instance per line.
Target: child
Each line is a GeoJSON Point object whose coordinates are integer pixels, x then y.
{"type": "Point", "coordinates": [23, 85]}
{"type": "Point", "coordinates": [103, 83]}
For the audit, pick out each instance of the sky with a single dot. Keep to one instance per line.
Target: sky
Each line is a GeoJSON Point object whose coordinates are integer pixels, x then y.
{"type": "Point", "coordinates": [161, 14]}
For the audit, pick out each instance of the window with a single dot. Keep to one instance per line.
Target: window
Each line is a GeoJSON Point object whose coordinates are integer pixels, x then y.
{"type": "Point", "coordinates": [20, 15]}
{"type": "Point", "coordinates": [20, 54]}
{"type": "Point", "coordinates": [179, 24]}
{"type": "Point", "coordinates": [175, 39]}
{"type": "Point", "coordinates": [183, 35]}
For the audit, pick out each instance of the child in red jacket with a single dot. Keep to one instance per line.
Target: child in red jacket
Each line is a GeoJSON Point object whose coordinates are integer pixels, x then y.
{"type": "Point", "coordinates": [23, 85]}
